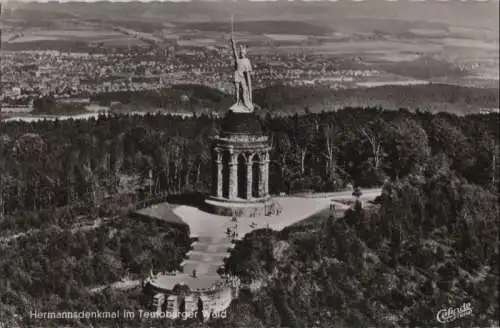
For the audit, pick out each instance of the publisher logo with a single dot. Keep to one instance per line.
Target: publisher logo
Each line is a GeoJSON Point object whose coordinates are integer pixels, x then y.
{"type": "Point", "coordinates": [452, 314]}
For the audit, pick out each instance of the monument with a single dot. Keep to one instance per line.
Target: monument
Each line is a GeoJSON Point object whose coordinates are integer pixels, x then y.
{"type": "Point", "coordinates": [242, 80]}
{"type": "Point", "coordinates": [240, 152]}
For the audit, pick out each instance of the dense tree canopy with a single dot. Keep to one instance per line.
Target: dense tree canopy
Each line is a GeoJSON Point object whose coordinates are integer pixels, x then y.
{"type": "Point", "coordinates": [56, 163]}
{"type": "Point", "coordinates": [432, 239]}
{"type": "Point", "coordinates": [432, 243]}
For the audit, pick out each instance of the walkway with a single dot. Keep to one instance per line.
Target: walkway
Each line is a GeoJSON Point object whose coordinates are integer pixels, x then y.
{"type": "Point", "coordinates": [121, 285]}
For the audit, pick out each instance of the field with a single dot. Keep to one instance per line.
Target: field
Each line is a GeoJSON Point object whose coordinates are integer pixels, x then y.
{"type": "Point", "coordinates": [470, 43]}
{"type": "Point", "coordinates": [196, 42]}
{"type": "Point", "coordinates": [429, 32]}
{"type": "Point", "coordinates": [82, 35]}
{"type": "Point", "coordinates": [278, 27]}
{"type": "Point", "coordinates": [445, 50]}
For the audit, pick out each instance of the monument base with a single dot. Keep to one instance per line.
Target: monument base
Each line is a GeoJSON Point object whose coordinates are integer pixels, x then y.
{"type": "Point", "coordinates": [241, 108]}
{"type": "Point", "coordinates": [241, 207]}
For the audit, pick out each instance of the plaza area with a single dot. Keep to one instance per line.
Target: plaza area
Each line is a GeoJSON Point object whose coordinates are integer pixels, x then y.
{"type": "Point", "coordinates": [208, 225]}
{"type": "Point", "coordinates": [214, 233]}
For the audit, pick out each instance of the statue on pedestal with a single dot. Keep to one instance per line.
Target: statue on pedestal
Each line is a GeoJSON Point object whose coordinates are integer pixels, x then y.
{"type": "Point", "coordinates": [242, 79]}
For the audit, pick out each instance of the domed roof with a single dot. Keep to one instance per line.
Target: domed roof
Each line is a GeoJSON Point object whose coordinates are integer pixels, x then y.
{"type": "Point", "coordinates": [241, 123]}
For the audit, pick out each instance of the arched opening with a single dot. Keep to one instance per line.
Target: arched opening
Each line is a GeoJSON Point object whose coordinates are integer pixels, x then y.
{"type": "Point", "coordinates": [182, 305]}
{"type": "Point", "coordinates": [242, 177]}
{"type": "Point", "coordinates": [226, 158]}
{"type": "Point", "coordinates": [200, 309]}
{"type": "Point", "coordinates": [214, 173]}
{"type": "Point", "coordinates": [255, 176]}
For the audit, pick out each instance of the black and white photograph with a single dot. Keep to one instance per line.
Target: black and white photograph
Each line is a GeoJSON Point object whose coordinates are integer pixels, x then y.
{"type": "Point", "coordinates": [249, 164]}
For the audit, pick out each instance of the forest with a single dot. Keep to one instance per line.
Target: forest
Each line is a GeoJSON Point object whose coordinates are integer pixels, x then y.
{"type": "Point", "coordinates": [285, 100]}
{"type": "Point", "coordinates": [431, 243]}
{"type": "Point", "coordinates": [56, 163]}
{"type": "Point", "coordinates": [433, 237]}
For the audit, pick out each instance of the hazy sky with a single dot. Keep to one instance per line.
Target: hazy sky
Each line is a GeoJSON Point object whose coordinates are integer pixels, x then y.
{"type": "Point", "coordinates": [476, 13]}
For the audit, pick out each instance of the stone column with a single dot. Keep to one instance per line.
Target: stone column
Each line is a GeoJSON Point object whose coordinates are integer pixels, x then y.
{"type": "Point", "coordinates": [249, 177]}
{"type": "Point", "coordinates": [266, 175]}
{"type": "Point", "coordinates": [219, 174]}
{"type": "Point", "coordinates": [233, 176]}
{"type": "Point", "coordinates": [262, 175]}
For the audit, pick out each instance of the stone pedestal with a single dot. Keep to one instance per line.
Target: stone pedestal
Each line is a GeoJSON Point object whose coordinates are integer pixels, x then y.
{"type": "Point", "coordinates": [245, 208]}
{"type": "Point", "coordinates": [240, 146]}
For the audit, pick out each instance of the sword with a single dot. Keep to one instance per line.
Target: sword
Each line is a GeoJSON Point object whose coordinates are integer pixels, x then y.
{"type": "Point", "coordinates": [232, 26]}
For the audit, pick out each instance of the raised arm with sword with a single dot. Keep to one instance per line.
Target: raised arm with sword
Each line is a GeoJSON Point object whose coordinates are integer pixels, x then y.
{"type": "Point", "coordinates": [242, 76]}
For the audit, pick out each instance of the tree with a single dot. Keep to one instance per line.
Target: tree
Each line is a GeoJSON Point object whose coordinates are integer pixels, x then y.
{"type": "Point", "coordinates": [282, 145]}
{"type": "Point", "coordinates": [445, 137]}
{"type": "Point", "coordinates": [303, 134]}
{"type": "Point", "coordinates": [376, 147]}
{"type": "Point", "coordinates": [407, 147]}
{"type": "Point", "coordinates": [328, 136]}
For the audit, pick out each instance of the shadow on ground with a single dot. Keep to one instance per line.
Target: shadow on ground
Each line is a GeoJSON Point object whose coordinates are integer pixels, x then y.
{"type": "Point", "coordinates": [191, 199]}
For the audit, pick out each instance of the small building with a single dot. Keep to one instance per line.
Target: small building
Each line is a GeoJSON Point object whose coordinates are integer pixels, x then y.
{"type": "Point", "coordinates": [183, 293]}
{"type": "Point", "coordinates": [191, 304]}
{"type": "Point", "coordinates": [158, 301]}
{"type": "Point", "coordinates": [172, 303]}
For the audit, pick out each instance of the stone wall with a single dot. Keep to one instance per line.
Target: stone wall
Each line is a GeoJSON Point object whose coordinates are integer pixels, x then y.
{"type": "Point", "coordinates": [214, 301]}
{"type": "Point", "coordinates": [218, 301]}
{"type": "Point", "coordinates": [264, 208]}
